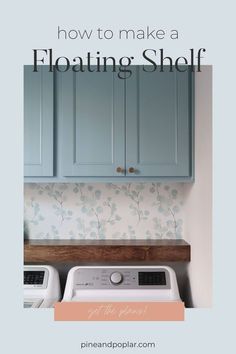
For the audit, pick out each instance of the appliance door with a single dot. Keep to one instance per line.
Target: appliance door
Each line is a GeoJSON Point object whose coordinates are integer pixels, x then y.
{"type": "Point", "coordinates": [32, 303]}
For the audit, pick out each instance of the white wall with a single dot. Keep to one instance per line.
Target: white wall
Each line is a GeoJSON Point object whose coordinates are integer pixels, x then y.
{"type": "Point", "coordinates": [198, 200]}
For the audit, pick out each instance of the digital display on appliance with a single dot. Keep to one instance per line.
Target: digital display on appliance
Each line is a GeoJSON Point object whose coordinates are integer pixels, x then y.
{"type": "Point", "coordinates": [151, 278]}
{"type": "Point", "coordinates": [33, 277]}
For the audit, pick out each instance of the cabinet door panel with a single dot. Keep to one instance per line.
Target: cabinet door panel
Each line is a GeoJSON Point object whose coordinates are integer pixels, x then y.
{"type": "Point", "coordinates": [158, 120]}
{"type": "Point", "coordinates": [93, 123]}
{"type": "Point", "coordinates": [38, 122]}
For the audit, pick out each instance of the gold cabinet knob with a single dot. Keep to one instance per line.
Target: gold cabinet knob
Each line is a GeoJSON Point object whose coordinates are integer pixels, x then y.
{"type": "Point", "coordinates": [131, 170]}
{"type": "Point", "coordinates": [120, 170]}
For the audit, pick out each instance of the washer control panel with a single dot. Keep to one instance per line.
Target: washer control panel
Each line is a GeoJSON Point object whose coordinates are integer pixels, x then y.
{"type": "Point", "coordinates": [125, 278]}
{"type": "Point", "coordinates": [116, 278]}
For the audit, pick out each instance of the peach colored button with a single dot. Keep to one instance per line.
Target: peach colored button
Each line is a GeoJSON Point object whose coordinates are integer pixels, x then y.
{"type": "Point", "coordinates": [119, 311]}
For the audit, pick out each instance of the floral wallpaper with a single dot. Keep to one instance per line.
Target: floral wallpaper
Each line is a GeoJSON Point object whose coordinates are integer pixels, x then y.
{"type": "Point", "coordinates": [103, 211]}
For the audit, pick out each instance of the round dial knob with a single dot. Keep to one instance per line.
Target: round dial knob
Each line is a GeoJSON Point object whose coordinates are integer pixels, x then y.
{"type": "Point", "coordinates": [116, 278]}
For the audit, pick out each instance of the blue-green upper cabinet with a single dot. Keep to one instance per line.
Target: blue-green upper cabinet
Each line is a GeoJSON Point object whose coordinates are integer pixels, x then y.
{"type": "Point", "coordinates": [158, 123]}
{"type": "Point", "coordinates": [38, 122]}
{"type": "Point", "coordinates": [91, 109]}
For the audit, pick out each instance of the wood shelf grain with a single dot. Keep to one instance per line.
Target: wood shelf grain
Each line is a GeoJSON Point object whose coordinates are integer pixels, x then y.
{"type": "Point", "coordinates": [108, 251]}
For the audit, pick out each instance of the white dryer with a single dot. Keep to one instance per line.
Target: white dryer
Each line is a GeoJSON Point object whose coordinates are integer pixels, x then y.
{"type": "Point", "coordinates": [41, 286]}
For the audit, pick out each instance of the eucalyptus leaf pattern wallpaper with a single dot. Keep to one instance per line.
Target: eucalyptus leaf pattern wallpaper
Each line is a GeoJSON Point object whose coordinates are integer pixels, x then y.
{"type": "Point", "coordinates": [104, 211]}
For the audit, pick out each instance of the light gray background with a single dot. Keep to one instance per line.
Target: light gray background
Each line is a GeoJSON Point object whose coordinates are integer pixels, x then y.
{"type": "Point", "coordinates": [26, 25]}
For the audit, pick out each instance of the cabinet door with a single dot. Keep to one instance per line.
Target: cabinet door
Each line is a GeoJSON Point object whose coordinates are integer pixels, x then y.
{"type": "Point", "coordinates": [38, 122]}
{"type": "Point", "coordinates": [92, 108]}
{"type": "Point", "coordinates": [158, 119]}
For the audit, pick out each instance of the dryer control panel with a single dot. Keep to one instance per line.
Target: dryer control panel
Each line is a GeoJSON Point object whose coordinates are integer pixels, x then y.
{"type": "Point", "coordinates": [35, 278]}
{"type": "Point", "coordinates": [125, 278]}
{"type": "Point", "coordinates": [41, 286]}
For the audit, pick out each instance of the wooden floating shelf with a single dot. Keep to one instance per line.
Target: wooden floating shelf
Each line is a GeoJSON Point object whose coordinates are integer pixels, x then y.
{"type": "Point", "coordinates": [107, 251]}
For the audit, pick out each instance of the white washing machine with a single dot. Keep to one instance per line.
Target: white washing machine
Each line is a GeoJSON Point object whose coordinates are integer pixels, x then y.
{"type": "Point", "coordinates": [41, 286]}
{"type": "Point", "coordinates": [121, 283]}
